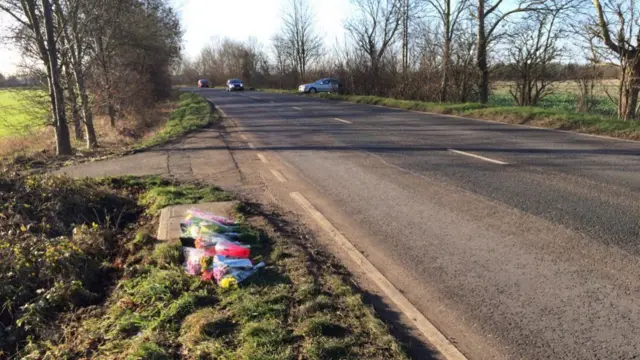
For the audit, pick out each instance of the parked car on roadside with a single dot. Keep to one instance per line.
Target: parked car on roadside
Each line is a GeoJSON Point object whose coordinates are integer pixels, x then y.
{"type": "Point", "coordinates": [322, 85]}
{"type": "Point", "coordinates": [203, 83]}
{"type": "Point", "coordinates": [235, 85]}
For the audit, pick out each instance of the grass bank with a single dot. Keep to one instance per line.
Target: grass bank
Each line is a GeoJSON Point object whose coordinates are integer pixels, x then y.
{"type": "Point", "coordinates": [83, 277]}
{"type": "Point", "coordinates": [535, 116]}
{"type": "Point", "coordinates": [165, 122]}
{"type": "Point", "coordinates": [193, 112]}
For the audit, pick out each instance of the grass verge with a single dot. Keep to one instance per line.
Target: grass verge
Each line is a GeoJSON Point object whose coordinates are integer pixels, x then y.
{"type": "Point", "coordinates": [193, 112]}
{"type": "Point", "coordinates": [98, 287]}
{"type": "Point", "coordinates": [279, 91]}
{"type": "Point", "coordinates": [549, 118]}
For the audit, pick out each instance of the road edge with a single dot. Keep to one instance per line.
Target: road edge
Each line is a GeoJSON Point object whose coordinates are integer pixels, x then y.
{"type": "Point", "coordinates": [431, 333]}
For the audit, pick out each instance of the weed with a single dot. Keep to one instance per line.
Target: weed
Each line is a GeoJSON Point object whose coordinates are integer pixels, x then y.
{"type": "Point", "coordinates": [149, 350]}
{"type": "Point", "coordinates": [207, 332]}
{"type": "Point", "coordinates": [159, 197]}
{"type": "Point", "coordinates": [167, 254]}
{"type": "Point", "coordinates": [141, 240]}
{"type": "Point", "coordinates": [331, 348]}
{"type": "Point", "coordinates": [266, 339]}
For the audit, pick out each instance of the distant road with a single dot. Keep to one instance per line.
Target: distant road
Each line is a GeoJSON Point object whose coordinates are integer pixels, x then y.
{"type": "Point", "coordinates": [517, 242]}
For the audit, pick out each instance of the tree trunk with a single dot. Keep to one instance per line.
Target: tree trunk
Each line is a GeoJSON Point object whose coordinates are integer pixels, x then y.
{"type": "Point", "coordinates": [85, 108]}
{"type": "Point", "coordinates": [63, 142]}
{"type": "Point", "coordinates": [73, 101]}
{"type": "Point", "coordinates": [630, 86]}
{"type": "Point", "coordinates": [111, 110]}
{"type": "Point", "coordinates": [405, 38]}
{"type": "Point", "coordinates": [444, 84]}
{"type": "Point", "coordinates": [483, 87]}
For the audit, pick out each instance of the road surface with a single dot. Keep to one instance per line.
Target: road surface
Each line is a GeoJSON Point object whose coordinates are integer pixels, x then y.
{"type": "Point", "coordinates": [516, 242]}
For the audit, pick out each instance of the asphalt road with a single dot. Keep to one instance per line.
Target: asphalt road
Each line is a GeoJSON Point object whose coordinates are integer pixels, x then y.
{"type": "Point", "coordinates": [529, 252]}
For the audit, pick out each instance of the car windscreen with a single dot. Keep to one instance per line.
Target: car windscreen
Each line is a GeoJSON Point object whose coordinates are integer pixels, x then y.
{"type": "Point", "coordinates": [235, 81]}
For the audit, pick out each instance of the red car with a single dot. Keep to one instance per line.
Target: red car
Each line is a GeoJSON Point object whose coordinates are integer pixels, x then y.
{"type": "Point", "coordinates": [203, 83]}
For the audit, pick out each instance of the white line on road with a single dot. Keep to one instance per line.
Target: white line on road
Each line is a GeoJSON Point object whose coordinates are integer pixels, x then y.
{"type": "Point", "coordinates": [251, 146]}
{"type": "Point", "coordinates": [262, 158]}
{"type": "Point", "coordinates": [278, 175]}
{"type": "Point", "coordinates": [344, 121]}
{"type": "Point", "coordinates": [255, 97]}
{"type": "Point", "coordinates": [433, 335]}
{"type": "Point", "coordinates": [479, 157]}
{"type": "Point", "coordinates": [297, 108]}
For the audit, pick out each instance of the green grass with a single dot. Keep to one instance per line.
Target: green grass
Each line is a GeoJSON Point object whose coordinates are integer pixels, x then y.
{"type": "Point", "coordinates": [22, 111]}
{"type": "Point", "coordinates": [561, 102]}
{"type": "Point", "coordinates": [279, 91]}
{"type": "Point", "coordinates": [162, 196]}
{"type": "Point", "coordinates": [193, 112]}
{"type": "Point", "coordinates": [298, 307]}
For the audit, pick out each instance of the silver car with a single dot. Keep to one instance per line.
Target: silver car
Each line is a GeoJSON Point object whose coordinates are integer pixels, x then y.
{"type": "Point", "coordinates": [322, 85]}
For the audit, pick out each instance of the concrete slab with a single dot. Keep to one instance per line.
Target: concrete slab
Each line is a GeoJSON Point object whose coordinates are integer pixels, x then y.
{"type": "Point", "coordinates": [170, 217]}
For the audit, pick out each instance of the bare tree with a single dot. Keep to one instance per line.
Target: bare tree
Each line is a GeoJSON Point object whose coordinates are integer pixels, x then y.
{"type": "Point", "coordinates": [298, 31]}
{"type": "Point", "coordinates": [625, 45]}
{"type": "Point", "coordinates": [463, 74]}
{"type": "Point", "coordinates": [449, 15]}
{"type": "Point", "coordinates": [38, 20]}
{"type": "Point", "coordinates": [534, 53]}
{"type": "Point", "coordinates": [489, 16]}
{"type": "Point", "coordinates": [74, 16]}
{"type": "Point", "coordinates": [72, 97]}
{"type": "Point", "coordinates": [283, 57]}
{"type": "Point", "coordinates": [373, 29]}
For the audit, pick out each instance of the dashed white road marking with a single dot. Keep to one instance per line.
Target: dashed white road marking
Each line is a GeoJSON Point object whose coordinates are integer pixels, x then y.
{"type": "Point", "coordinates": [297, 108]}
{"type": "Point", "coordinates": [433, 335]}
{"type": "Point", "coordinates": [262, 158]}
{"type": "Point", "coordinates": [278, 175]}
{"type": "Point", "coordinates": [344, 121]}
{"type": "Point", "coordinates": [251, 146]}
{"type": "Point", "coordinates": [494, 161]}
{"type": "Point", "coordinates": [255, 97]}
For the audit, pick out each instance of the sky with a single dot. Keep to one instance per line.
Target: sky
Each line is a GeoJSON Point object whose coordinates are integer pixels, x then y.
{"type": "Point", "coordinates": [205, 21]}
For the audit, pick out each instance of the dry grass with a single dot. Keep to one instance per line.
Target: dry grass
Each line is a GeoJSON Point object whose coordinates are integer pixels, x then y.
{"type": "Point", "coordinates": [131, 129]}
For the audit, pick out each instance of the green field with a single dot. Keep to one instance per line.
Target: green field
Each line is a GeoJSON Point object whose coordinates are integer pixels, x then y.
{"type": "Point", "coordinates": [561, 101]}
{"type": "Point", "coordinates": [21, 111]}
{"type": "Point", "coordinates": [564, 97]}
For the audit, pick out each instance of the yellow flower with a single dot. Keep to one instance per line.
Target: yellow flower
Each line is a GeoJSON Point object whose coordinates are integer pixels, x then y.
{"type": "Point", "coordinates": [228, 282]}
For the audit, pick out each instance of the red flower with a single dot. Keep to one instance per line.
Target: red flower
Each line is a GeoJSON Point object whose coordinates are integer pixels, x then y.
{"type": "Point", "coordinates": [207, 275]}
